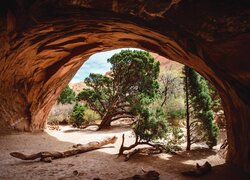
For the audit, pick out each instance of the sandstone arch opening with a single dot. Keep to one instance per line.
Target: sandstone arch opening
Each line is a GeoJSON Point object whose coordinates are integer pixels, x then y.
{"type": "Point", "coordinates": [37, 55]}
{"type": "Point", "coordinates": [97, 63]}
{"type": "Point", "coordinates": [170, 71]}
{"type": "Point", "coordinates": [197, 153]}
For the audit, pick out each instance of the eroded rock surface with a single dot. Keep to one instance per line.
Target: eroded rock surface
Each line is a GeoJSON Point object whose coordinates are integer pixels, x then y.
{"type": "Point", "coordinates": [43, 43]}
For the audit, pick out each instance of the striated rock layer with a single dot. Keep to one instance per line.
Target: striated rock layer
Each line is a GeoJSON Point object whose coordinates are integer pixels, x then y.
{"type": "Point", "coordinates": [44, 43]}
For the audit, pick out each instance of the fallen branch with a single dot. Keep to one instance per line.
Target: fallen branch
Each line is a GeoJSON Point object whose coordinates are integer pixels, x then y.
{"type": "Point", "coordinates": [123, 148]}
{"type": "Point", "coordinates": [47, 156]}
{"type": "Point", "coordinates": [137, 142]}
{"type": "Point", "coordinates": [130, 154]}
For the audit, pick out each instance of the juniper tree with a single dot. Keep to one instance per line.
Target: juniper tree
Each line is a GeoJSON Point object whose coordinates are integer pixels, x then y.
{"type": "Point", "coordinates": [67, 96]}
{"type": "Point", "coordinates": [133, 77]}
{"type": "Point", "coordinates": [197, 97]}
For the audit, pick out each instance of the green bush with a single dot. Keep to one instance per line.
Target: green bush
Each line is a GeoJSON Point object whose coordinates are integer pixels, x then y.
{"type": "Point", "coordinates": [77, 117]}
{"type": "Point", "coordinates": [151, 124]}
{"type": "Point", "coordinates": [67, 96]}
{"type": "Point", "coordinates": [90, 116]}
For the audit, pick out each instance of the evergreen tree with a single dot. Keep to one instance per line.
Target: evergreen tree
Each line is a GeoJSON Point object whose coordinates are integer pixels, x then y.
{"type": "Point", "coordinates": [150, 125]}
{"type": "Point", "coordinates": [201, 102]}
{"type": "Point", "coordinates": [133, 80]}
{"type": "Point", "coordinates": [67, 96]}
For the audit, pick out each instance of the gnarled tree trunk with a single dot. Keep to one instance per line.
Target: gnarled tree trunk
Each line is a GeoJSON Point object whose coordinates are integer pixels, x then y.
{"type": "Point", "coordinates": [106, 121]}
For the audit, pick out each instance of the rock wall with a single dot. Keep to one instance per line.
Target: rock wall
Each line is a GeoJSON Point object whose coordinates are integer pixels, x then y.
{"type": "Point", "coordinates": [44, 43]}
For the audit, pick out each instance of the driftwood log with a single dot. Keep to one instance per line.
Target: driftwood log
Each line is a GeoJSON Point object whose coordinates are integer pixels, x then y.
{"type": "Point", "coordinates": [47, 156]}
{"type": "Point", "coordinates": [199, 171]}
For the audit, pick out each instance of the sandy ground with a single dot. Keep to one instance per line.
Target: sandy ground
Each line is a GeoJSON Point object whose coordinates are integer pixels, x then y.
{"type": "Point", "coordinates": [102, 163]}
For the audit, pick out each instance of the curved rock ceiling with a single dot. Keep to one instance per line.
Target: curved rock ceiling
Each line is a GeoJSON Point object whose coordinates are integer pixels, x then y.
{"type": "Point", "coordinates": [44, 43]}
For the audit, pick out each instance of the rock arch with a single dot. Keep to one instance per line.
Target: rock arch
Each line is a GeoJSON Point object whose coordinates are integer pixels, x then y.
{"type": "Point", "coordinates": [43, 43]}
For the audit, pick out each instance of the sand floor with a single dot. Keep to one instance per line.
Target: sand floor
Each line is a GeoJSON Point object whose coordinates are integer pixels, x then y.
{"type": "Point", "coordinates": [102, 163]}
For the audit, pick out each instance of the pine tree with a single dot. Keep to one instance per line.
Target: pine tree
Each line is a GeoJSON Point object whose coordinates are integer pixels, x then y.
{"type": "Point", "coordinates": [201, 103]}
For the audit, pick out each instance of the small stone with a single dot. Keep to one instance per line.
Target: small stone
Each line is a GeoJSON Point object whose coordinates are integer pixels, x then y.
{"type": "Point", "coordinates": [75, 173]}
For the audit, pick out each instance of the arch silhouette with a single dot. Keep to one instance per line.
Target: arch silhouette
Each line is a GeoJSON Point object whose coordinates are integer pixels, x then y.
{"type": "Point", "coordinates": [43, 44]}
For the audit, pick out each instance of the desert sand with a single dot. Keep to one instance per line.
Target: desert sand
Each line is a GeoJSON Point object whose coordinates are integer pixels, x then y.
{"type": "Point", "coordinates": [102, 163]}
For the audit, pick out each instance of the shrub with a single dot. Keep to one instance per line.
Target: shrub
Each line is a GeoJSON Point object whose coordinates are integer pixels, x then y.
{"type": "Point", "coordinates": [67, 96]}
{"type": "Point", "coordinates": [151, 124]}
{"type": "Point", "coordinates": [77, 115]}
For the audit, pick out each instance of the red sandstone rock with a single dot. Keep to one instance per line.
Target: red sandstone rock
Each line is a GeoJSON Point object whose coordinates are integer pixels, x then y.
{"type": "Point", "coordinates": [43, 43]}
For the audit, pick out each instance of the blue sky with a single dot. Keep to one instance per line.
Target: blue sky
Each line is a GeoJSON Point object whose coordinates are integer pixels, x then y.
{"type": "Point", "coordinates": [97, 63]}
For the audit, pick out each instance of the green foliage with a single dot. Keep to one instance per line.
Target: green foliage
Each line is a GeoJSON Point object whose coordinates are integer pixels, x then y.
{"type": "Point", "coordinates": [201, 103]}
{"type": "Point", "coordinates": [90, 116]}
{"type": "Point", "coordinates": [216, 100]}
{"type": "Point", "coordinates": [135, 72]}
{"type": "Point", "coordinates": [67, 96]}
{"type": "Point", "coordinates": [177, 114]}
{"type": "Point", "coordinates": [77, 114]}
{"type": "Point", "coordinates": [98, 95]}
{"type": "Point", "coordinates": [151, 124]}
{"type": "Point", "coordinates": [133, 81]}
{"type": "Point", "coordinates": [214, 131]}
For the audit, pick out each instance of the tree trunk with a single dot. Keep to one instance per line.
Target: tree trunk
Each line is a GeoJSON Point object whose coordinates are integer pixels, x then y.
{"type": "Point", "coordinates": [106, 121]}
{"type": "Point", "coordinates": [187, 112]}
{"type": "Point", "coordinates": [164, 99]}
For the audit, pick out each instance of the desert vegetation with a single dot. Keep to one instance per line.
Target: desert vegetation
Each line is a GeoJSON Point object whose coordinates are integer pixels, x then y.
{"type": "Point", "coordinates": [148, 108]}
{"type": "Point", "coordinates": [166, 105]}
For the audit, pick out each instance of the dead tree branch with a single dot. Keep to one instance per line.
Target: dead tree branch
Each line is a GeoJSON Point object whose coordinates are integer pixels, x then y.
{"type": "Point", "coordinates": [137, 142]}
{"type": "Point", "coordinates": [47, 156]}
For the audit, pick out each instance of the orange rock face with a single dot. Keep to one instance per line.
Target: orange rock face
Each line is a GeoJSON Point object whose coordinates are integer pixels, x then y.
{"type": "Point", "coordinates": [44, 43]}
